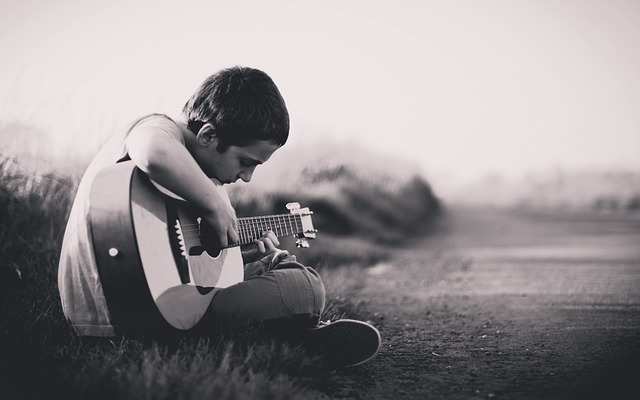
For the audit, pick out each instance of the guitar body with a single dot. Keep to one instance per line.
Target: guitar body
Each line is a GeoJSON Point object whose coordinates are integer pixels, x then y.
{"type": "Point", "coordinates": [154, 271]}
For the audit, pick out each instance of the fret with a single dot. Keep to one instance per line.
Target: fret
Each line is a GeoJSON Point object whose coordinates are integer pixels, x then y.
{"type": "Point", "coordinates": [276, 226]}
{"type": "Point", "coordinates": [280, 226]}
{"type": "Point", "coordinates": [298, 220]}
{"type": "Point", "coordinates": [289, 220]}
{"type": "Point", "coordinates": [245, 233]}
{"type": "Point", "coordinates": [244, 236]}
{"type": "Point", "coordinates": [283, 224]}
{"type": "Point", "coordinates": [254, 235]}
{"type": "Point", "coordinates": [287, 226]}
{"type": "Point", "coordinates": [254, 227]}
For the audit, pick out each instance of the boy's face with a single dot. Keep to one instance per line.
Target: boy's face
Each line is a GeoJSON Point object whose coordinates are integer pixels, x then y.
{"type": "Point", "coordinates": [236, 162]}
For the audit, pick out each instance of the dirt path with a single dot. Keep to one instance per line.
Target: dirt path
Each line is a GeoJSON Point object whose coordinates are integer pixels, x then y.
{"type": "Point", "coordinates": [507, 305]}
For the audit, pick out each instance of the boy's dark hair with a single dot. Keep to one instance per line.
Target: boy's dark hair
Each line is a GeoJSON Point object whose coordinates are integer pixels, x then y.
{"type": "Point", "coordinates": [242, 104]}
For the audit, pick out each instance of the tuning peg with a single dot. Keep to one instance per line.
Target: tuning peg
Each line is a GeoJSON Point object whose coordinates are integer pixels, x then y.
{"type": "Point", "coordinates": [304, 243]}
{"type": "Point", "coordinates": [293, 206]}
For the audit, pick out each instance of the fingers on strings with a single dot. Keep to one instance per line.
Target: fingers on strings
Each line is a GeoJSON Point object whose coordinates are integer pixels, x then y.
{"type": "Point", "coordinates": [268, 242]}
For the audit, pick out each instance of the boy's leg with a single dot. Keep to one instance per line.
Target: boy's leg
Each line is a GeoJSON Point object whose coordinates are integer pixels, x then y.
{"type": "Point", "coordinates": [288, 302]}
{"type": "Point", "coordinates": [292, 292]}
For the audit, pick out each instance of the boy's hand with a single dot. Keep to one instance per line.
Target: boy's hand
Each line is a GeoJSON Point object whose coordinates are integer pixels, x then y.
{"type": "Point", "coordinates": [265, 257]}
{"type": "Point", "coordinates": [222, 227]}
{"type": "Point", "coordinates": [265, 245]}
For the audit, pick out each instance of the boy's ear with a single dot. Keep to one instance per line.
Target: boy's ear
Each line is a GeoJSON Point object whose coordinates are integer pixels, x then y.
{"type": "Point", "coordinates": [207, 136]}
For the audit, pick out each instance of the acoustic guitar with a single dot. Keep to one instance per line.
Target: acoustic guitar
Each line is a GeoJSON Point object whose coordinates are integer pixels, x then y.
{"type": "Point", "coordinates": [155, 265]}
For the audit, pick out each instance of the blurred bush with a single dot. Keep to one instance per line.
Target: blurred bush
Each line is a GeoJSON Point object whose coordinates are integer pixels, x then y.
{"type": "Point", "coordinates": [346, 203]}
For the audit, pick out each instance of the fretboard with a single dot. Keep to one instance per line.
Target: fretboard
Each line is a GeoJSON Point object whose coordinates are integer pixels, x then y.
{"type": "Point", "coordinates": [252, 228]}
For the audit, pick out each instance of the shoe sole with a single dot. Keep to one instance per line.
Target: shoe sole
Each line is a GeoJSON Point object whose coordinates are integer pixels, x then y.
{"type": "Point", "coordinates": [346, 342]}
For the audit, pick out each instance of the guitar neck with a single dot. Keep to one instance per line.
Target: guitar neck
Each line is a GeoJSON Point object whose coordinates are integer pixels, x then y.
{"type": "Point", "coordinates": [252, 228]}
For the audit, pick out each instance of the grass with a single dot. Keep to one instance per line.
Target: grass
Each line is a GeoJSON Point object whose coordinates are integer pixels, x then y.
{"type": "Point", "coordinates": [41, 356]}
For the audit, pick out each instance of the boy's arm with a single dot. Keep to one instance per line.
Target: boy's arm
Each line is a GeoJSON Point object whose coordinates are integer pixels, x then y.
{"type": "Point", "coordinates": [168, 162]}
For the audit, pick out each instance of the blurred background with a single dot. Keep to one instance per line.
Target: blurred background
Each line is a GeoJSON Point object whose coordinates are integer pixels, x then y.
{"type": "Point", "coordinates": [506, 102]}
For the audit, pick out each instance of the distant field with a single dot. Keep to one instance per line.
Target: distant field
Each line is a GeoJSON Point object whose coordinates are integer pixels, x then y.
{"type": "Point", "coordinates": [600, 190]}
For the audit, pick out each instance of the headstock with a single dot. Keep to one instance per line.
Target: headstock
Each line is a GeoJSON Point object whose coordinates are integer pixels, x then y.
{"type": "Point", "coordinates": [308, 232]}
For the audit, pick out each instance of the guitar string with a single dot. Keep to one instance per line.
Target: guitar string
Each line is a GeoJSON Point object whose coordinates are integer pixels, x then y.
{"type": "Point", "coordinates": [284, 231]}
{"type": "Point", "coordinates": [246, 222]}
{"type": "Point", "coordinates": [270, 218]}
{"type": "Point", "coordinates": [253, 224]}
{"type": "Point", "coordinates": [248, 226]}
{"type": "Point", "coordinates": [196, 227]}
{"type": "Point", "coordinates": [246, 240]}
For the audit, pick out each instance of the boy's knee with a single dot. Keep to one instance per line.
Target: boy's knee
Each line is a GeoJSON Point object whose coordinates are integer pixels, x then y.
{"type": "Point", "coordinates": [318, 289]}
{"type": "Point", "coordinates": [302, 290]}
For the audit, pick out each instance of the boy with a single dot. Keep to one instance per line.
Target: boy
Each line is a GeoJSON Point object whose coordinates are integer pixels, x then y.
{"type": "Point", "coordinates": [234, 122]}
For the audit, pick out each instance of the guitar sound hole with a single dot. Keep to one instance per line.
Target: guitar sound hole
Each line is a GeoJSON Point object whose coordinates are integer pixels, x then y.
{"type": "Point", "coordinates": [203, 289]}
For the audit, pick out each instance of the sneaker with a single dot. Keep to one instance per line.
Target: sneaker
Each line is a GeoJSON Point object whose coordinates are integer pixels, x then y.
{"type": "Point", "coordinates": [344, 342]}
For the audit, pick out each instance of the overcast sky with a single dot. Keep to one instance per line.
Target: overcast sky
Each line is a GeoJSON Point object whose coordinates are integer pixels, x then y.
{"type": "Point", "coordinates": [463, 87]}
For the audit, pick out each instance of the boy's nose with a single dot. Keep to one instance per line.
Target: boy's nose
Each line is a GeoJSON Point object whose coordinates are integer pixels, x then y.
{"type": "Point", "coordinates": [246, 175]}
